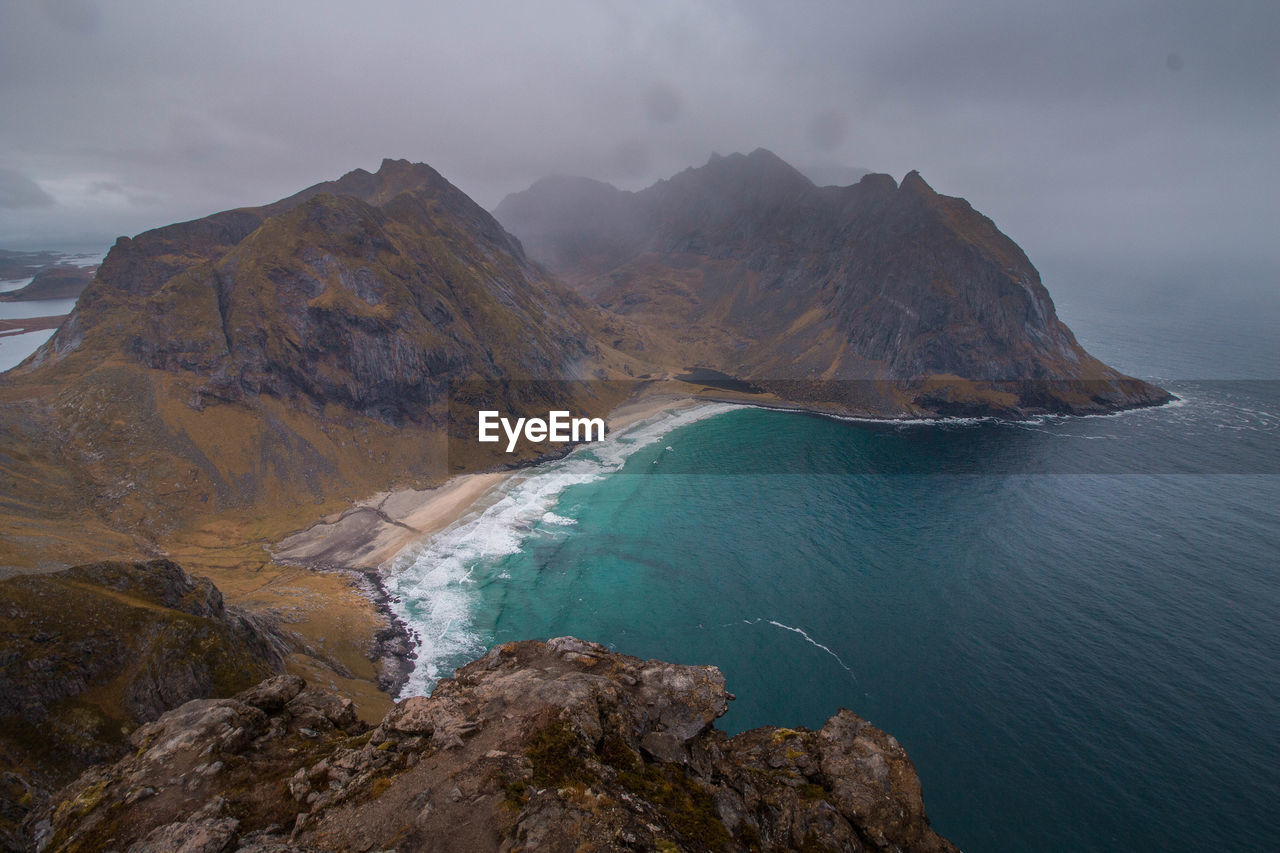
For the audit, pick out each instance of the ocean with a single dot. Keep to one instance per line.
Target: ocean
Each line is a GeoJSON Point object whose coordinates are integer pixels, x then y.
{"type": "Point", "coordinates": [1072, 624]}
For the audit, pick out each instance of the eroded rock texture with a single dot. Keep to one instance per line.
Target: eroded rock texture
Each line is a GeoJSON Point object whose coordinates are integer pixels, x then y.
{"type": "Point", "coordinates": [561, 745]}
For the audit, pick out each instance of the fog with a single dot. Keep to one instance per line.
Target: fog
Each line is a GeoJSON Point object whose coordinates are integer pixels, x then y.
{"type": "Point", "coordinates": [1137, 133]}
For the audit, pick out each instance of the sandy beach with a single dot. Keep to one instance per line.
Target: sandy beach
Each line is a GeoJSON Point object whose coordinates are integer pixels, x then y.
{"type": "Point", "coordinates": [327, 576]}
{"type": "Point", "coordinates": [370, 533]}
{"type": "Point", "coordinates": [360, 542]}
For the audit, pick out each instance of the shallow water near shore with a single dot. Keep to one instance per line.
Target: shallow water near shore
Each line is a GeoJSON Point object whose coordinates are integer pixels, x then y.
{"type": "Point", "coordinates": [1070, 624]}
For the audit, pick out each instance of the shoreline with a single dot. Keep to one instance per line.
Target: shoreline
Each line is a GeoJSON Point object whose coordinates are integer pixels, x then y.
{"type": "Point", "coordinates": [934, 420]}
{"type": "Point", "coordinates": [362, 540]}
{"type": "Point", "coordinates": [372, 532]}
{"type": "Point", "coordinates": [26, 325]}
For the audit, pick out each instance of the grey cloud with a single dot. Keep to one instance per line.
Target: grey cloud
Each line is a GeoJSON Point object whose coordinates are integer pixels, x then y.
{"type": "Point", "coordinates": [663, 102]}
{"type": "Point", "coordinates": [829, 129]}
{"type": "Point", "coordinates": [17, 192]}
{"type": "Point", "coordinates": [1068, 124]}
{"type": "Point", "coordinates": [77, 16]}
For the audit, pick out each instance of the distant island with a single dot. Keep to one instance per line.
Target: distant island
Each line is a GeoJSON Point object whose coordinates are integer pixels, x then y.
{"type": "Point", "coordinates": [17, 265]}
{"type": "Point", "coordinates": [56, 281]}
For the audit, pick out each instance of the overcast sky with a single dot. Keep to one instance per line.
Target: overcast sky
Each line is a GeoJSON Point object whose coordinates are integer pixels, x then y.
{"type": "Point", "coordinates": [1145, 130]}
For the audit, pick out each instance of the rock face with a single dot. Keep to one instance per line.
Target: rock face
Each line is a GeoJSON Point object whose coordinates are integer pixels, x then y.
{"type": "Point", "coordinates": [556, 746]}
{"type": "Point", "coordinates": [885, 297]}
{"type": "Point", "coordinates": [368, 292]}
{"type": "Point", "coordinates": [89, 654]}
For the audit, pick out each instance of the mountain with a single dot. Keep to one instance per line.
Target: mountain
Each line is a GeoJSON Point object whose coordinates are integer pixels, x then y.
{"type": "Point", "coordinates": [263, 363]}
{"type": "Point", "coordinates": [561, 745]}
{"type": "Point", "coordinates": [366, 292]}
{"type": "Point", "coordinates": [236, 376]}
{"type": "Point", "coordinates": [879, 297]}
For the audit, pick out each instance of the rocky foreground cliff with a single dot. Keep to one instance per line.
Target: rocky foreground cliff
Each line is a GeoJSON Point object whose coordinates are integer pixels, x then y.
{"type": "Point", "coordinates": [555, 746]}
{"type": "Point", "coordinates": [90, 654]}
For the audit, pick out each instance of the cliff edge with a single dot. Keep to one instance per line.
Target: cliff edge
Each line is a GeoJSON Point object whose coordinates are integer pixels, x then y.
{"type": "Point", "coordinates": [89, 654]}
{"type": "Point", "coordinates": [552, 746]}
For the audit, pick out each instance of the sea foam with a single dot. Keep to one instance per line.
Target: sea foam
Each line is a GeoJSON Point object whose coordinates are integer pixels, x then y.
{"type": "Point", "coordinates": [433, 585]}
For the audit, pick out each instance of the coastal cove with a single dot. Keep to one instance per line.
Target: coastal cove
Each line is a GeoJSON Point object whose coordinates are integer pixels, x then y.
{"type": "Point", "coordinates": [1003, 620]}
{"type": "Point", "coordinates": [749, 428]}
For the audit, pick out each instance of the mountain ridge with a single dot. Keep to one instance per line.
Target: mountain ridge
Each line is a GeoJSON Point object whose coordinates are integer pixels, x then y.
{"type": "Point", "coordinates": [751, 269]}
{"type": "Point", "coordinates": [304, 353]}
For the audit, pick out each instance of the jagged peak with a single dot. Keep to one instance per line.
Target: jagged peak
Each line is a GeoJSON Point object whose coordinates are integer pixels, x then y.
{"type": "Point", "coordinates": [760, 158]}
{"type": "Point", "coordinates": [392, 178]}
{"type": "Point", "coordinates": [759, 168]}
{"type": "Point", "coordinates": [765, 155]}
{"type": "Point", "coordinates": [390, 163]}
{"type": "Point", "coordinates": [916, 184]}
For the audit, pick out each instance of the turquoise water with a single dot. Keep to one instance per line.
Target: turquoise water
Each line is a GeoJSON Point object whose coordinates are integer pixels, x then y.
{"type": "Point", "coordinates": [1073, 625]}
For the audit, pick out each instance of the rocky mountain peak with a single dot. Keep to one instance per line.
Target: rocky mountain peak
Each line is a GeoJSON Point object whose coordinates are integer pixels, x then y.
{"type": "Point", "coordinates": [912, 182]}
{"type": "Point", "coordinates": [750, 177]}
{"type": "Point", "coordinates": [302, 328]}
{"type": "Point", "coordinates": [878, 179]}
{"type": "Point", "coordinates": [377, 188]}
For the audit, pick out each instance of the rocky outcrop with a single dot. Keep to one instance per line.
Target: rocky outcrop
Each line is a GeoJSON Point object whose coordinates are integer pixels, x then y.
{"type": "Point", "coordinates": [89, 654]}
{"type": "Point", "coordinates": [882, 298]}
{"type": "Point", "coordinates": [556, 746]}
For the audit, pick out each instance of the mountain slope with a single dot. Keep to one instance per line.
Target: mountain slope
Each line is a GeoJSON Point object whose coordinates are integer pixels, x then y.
{"type": "Point", "coordinates": [270, 362]}
{"type": "Point", "coordinates": [353, 292]}
{"type": "Point", "coordinates": [881, 297]}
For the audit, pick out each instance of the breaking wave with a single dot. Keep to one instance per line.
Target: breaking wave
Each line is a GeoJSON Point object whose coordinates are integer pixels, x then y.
{"type": "Point", "coordinates": [433, 585]}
